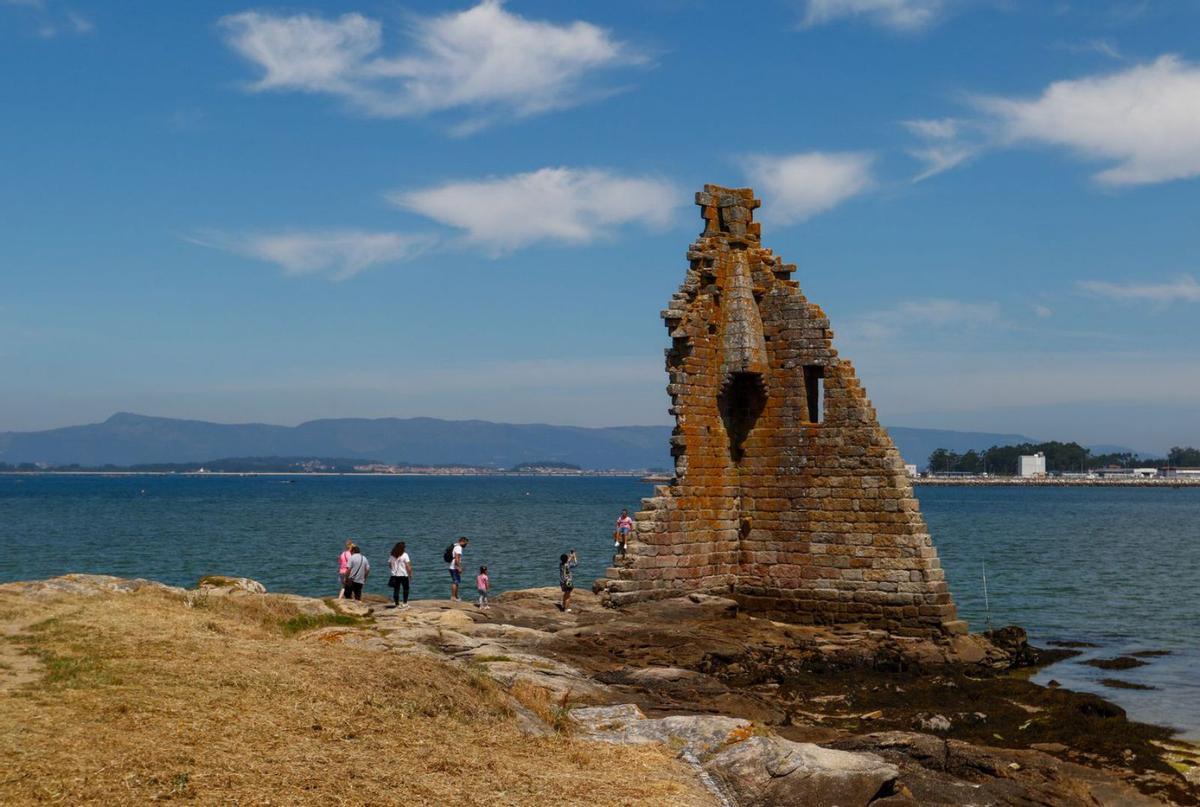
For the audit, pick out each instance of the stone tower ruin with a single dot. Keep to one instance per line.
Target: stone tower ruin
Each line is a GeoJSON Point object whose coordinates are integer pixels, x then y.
{"type": "Point", "coordinates": [788, 495]}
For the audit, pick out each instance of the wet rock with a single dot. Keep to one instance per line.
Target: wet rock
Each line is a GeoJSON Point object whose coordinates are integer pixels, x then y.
{"type": "Point", "coordinates": [1118, 663]}
{"type": "Point", "coordinates": [953, 772]}
{"type": "Point", "coordinates": [651, 676]}
{"type": "Point", "coordinates": [767, 770]}
{"type": "Point", "coordinates": [1117, 683]}
{"type": "Point", "coordinates": [1049, 748]}
{"type": "Point", "coordinates": [939, 723]}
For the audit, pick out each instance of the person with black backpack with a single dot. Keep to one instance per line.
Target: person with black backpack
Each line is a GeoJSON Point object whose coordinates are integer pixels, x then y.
{"type": "Point", "coordinates": [454, 556]}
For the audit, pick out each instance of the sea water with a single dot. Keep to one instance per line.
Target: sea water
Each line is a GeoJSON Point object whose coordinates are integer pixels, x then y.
{"type": "Point", "coordinates": [1117, 567]}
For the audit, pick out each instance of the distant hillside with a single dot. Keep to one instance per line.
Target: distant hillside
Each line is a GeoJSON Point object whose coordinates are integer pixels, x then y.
{"type": "Point", "coordinates": [128, 439]}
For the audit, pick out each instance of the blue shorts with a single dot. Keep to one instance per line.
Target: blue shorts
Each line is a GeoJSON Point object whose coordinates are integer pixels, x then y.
{"type": "Point", "coordinates": [455, 576]}
{"type": "Point", "coordinates": [624, 531]}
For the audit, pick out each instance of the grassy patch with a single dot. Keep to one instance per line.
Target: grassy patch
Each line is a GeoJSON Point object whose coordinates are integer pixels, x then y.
{"type": "Point", "coordinates": [304, 622]}
{"type": "Point", "coordinates": [187, 692]}
{"type": "Point", "coordinates": [488, 659]}
{"type": "Point", "coordinates": [73, 671]}
{"type": "Point", "coordinates": [554, 713]}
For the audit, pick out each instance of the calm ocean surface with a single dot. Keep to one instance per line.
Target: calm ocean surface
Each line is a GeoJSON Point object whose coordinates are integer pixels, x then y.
{"type": "Point", "coordinates": [1119, 567]}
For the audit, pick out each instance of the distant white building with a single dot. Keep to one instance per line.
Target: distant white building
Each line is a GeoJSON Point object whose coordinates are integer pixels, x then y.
{"type": "Point", "coordinates": [1031, 465]}
{"type": "Point", "coordinates": [1182, 473]}
{"type": "Point", "coordinates": [1126, 473]}
{"type": "Point", "coordinates": [910, 469]}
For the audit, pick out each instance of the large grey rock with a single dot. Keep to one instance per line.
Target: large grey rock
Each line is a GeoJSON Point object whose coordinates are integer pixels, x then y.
{"type": "Point", "coordinates": [84, 585]}
{"type": "Point", "coordinates": [220, 584]}
{"type": "Point", "coordinates": [560, 681]}
{"type": "Point", "coordinates": [699, 735]}
{"type": "Point", "coordinates": [309, 606]}
{"type": "Point", "coordinates": [769, 770]}
{"type": "Point", "coordinates": [352, 607]}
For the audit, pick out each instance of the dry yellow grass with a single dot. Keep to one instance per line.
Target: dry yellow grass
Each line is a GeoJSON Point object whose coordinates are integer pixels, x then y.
{"type": "Point", "coordinates": [143, 698]}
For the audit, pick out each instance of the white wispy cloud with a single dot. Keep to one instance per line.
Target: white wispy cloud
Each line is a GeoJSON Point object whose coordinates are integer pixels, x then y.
{"type": "Point", "coordinates": [799, 186]}
{"type": "Point", "coordinates": [1184, 289]}
{"type": "Point", "coordinates": [1146, 119]}
{"type": "Point", "coordinates": [946, 144]}
{"type": "Point", "coordinates": [1103, 47]}
{"type": "Point", "coordinates": [556, 205]}
{"type": "Point", "coordinates": [1043, 311]}
{"type": "Point", "coordinates": [485, 61]}
{"type": "Point", "coordinates": [900, 15]}
{"type": "Point", "coordinates": [913, 315]}
{"type": "Point", "coordinates": [341, 254]}
{"type": "Point", "coordinates": [51, 19]}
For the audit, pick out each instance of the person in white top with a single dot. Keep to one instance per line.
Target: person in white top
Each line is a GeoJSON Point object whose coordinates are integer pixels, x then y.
{"type": "Point", "coordinates": [455, 557]}
{"type": "Point", "coordinates": [401, 566]}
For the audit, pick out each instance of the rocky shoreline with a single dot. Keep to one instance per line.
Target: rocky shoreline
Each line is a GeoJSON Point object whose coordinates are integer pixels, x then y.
{"type": "Point", "coordinates": [765, 712]}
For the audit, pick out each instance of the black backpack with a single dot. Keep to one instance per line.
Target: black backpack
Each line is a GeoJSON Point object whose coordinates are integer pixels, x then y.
{"type": "Point", "coordinates": [448, 555]}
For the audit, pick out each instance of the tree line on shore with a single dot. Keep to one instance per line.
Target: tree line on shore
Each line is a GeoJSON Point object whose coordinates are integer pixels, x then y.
{"type": "Point", "coordinates": [1060, 458]}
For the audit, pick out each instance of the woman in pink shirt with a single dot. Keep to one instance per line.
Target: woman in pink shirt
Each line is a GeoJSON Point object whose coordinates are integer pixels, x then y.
{"type": "Point", "coordinates": [343, 569]}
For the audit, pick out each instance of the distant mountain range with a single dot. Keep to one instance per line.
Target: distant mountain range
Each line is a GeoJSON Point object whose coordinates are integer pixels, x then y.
{"type": "Point", "coordinates": [128, 439]}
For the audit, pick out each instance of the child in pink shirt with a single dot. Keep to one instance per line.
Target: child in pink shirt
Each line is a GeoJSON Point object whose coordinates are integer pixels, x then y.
{"type": "Point", "coordinates": [482, 584]}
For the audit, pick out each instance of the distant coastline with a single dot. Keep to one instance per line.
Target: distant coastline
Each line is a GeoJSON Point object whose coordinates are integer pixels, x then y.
{"type": "Point", "coordinates": [1054, 482]}
{"type": "Point", "coordinates": [456, 472]}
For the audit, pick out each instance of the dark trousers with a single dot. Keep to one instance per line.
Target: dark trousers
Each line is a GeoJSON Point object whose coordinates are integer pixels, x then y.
{"type": "Point", "coordinates": [398, 583]}
{"type": "Point", "coordinates": [353, 590]}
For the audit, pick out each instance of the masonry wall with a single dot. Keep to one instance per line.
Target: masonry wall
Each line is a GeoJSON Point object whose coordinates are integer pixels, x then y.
{"type": "Point", "coordinates": [788, 495]}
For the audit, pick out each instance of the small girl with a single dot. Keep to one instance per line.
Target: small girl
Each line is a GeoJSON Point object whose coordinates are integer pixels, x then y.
{"type": "Point", "coordinates": [343, 567]}
{"type": "Point", "coordinates": [482, 584]}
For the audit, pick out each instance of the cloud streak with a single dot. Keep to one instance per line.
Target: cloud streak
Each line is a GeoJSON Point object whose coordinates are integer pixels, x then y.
{"type": "Point", "coordinates": [899, 15]}
{"type": "Point", "coordinates": [1185, 289]}
{"type": "Point", "coordinates": [946, 145]}
{"type": "Point", "coordinates": [934, 312]}
{"type": "Point", "coordinates": [484, 61]}
{"type": "Point", "coordinates": [339, 254]}
{"type": "Point", "coordinates": [551, 205]}
{"type": "Point", "coordinates": [51, 21]}
{"type": "Point", "coordinates": [799, 186]}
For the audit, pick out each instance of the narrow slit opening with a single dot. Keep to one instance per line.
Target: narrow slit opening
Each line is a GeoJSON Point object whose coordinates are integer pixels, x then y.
{"type": "Point", "coordinates": [814, 388]}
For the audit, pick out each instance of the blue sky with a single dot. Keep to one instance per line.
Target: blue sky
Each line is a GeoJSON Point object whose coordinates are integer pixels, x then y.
{"type": "Point", "coordinates": [275, 213]}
